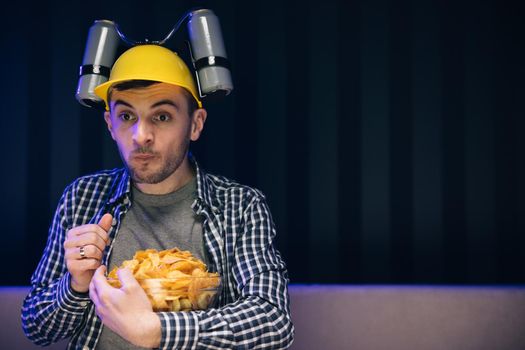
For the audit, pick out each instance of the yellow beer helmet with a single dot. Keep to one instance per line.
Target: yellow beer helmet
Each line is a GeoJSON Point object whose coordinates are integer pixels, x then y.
{"type": "Point", "coordinates": [149, 62]}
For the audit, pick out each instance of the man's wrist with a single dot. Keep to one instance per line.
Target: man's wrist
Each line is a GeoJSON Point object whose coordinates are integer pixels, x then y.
{"type": "Point", "coordinates": [76, 289]}
{"type": "Point", "coordinates": [150, 337]}
{"type": "Point", "coordinates": [68, 299]}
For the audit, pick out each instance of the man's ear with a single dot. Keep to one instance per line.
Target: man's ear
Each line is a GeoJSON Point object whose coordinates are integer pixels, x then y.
{"type": "Point", "coordinates": [197, 123]}
{"type": "Point", "coordinates": [107, 118]}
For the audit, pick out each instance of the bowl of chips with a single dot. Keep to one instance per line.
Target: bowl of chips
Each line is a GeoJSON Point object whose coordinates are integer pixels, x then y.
{"type": "Point", "coordinates": [174, 280]}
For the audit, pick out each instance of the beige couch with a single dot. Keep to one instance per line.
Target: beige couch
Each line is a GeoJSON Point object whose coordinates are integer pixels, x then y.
{"type": "Point", "coordinates": [371, 318]}
{"type": "Point", "coordinates": [408, 318]}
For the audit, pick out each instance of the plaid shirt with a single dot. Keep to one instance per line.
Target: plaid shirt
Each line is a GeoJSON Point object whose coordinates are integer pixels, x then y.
{"type": "Point", "coordinates": [238, 234]}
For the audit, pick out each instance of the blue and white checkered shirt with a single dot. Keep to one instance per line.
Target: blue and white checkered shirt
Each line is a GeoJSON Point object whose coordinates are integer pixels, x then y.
{"type": "Point", "coordinates": [239, 234]}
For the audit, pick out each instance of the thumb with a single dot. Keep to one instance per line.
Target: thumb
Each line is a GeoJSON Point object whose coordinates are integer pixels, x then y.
{"type": "Point", "coordinates": [105, 222]}
{"type": "Point", "coordinates": [101, 270]}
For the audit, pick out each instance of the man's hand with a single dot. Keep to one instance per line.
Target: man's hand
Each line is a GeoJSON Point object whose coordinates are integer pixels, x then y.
{"type": "Point", "coordinates": [126, 311]}
{"type": "Point", "coordinates": [84, 249]}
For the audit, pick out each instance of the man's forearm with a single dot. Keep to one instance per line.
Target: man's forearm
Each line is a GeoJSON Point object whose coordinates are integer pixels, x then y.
{"type": "Point", "coordinates": [52, 313]}
{"type": "Point", "coordinates": [250, 323]}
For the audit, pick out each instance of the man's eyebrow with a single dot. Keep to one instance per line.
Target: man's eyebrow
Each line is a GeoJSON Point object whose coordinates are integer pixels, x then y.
{"type": "Point", "coordinates": [165, 102]}
{"type": "Point", "coordinates": [122, 102]}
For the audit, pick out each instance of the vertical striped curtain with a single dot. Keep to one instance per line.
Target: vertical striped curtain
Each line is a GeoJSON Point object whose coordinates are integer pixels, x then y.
{"type": "Point", "coordinates": [386, 135]}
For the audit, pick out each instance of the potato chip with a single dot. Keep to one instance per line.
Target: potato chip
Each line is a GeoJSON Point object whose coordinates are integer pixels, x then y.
{"type": "Point", "coordinates": [174, 280]}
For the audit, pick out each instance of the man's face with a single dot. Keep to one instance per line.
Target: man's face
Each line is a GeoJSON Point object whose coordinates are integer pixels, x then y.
{"type": "Point", "coordinates": [152, 129]}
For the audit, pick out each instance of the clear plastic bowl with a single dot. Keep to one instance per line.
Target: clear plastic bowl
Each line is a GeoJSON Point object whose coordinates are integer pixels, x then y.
{"type": "Point", "coordinates": [180, 294]}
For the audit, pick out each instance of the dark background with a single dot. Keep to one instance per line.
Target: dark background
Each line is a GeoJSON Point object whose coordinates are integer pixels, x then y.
{"type": "Point", "coordinates": [387, 135]}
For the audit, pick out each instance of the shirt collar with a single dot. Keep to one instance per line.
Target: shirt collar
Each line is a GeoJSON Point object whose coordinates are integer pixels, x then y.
{"type": "Point", "coordinates": [205, 189]}
{"type": "Point", "coordinates": [121, 188]}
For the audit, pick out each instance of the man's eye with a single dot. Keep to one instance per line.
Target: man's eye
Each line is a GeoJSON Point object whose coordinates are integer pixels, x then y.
{"type": "Point", "coordinates": [162, 117]}
{"type": "Point", "coordinates": [126, 117]}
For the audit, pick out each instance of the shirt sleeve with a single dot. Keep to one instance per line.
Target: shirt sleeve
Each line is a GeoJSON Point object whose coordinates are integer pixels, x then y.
{"type": "Point", "coordinates": [53, 310]}
{"type": "Point", "coordinates": [260, 317]}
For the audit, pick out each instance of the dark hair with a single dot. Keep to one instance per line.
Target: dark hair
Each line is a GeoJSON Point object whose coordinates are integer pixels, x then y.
{"type": "Point", "coordinates": [140, 84]}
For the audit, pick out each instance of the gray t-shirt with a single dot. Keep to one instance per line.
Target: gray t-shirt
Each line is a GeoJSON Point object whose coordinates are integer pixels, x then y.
{"type": "Point", "coordinates": [159, 222]}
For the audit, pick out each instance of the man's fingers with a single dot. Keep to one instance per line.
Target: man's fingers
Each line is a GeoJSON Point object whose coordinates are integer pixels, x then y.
{"type": "Point", "coordinates": [93, 295]}
{"type": "Point", "coordinates": [82, 265]}
{"type": "Point", "coordinates": [86, 239]}
{"type": "Point", "coordinates": [99, 279]}
{"type": "Point", "coordinates": [126, 278]}
{"type": "Point", "coordinates": [99, 274]}
{"type": "Point", "coordinates": [91, 251]}
{"type": "Point", "coordinates": [106, 221]}
{"type": "Point", "coordinates": [90, 228]}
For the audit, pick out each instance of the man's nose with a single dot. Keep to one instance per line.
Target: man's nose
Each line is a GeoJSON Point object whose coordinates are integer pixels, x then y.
{"type": "Point", "coordinates": [142, 133]}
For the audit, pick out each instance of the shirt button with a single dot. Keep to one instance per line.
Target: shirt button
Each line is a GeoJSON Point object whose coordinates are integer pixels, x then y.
{"type": "Point", "coordinates": [114, 222]}
{"type": "Point", "coordinates": [83, 303]}
{"type": "Point", "coordinates": [126, 200]}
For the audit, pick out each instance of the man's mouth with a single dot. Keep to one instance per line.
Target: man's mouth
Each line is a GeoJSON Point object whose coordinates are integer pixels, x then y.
{"type": "Point", "coordinates": [143, 156]}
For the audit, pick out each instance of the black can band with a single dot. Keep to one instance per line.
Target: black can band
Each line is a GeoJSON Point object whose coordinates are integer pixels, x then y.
{"type": "Point", "coordinates": [94, 69]}
{"type": "Point", "coordinates": [211, 61]}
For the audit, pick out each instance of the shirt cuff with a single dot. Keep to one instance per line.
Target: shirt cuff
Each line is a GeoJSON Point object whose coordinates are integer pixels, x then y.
{"type": "Point", "coordinates": [68, 299]}
{"type": "Point", "coordinates": [179, 330]}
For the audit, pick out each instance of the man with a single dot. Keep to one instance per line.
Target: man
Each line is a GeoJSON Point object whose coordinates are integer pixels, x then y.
{"type": "Point", "coordinates": [160, 199]}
